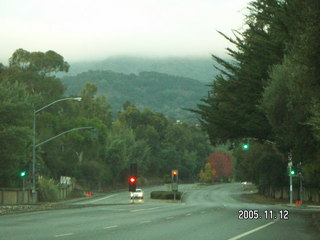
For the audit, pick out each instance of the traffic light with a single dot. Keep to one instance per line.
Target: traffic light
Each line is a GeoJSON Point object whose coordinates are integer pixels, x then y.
{"type": "Point", "coordinates": [245, 146]}
{"type": "Point", "coordinates": [292, 172]}
{"type": "Point", "coordinates": [133, 177]}
{"type": "Point", "coordinates": [23, 173]}
{"type": "Point", "coordinates": [132, 184]}
{"type": "Point", "coordinates": [174, 175]}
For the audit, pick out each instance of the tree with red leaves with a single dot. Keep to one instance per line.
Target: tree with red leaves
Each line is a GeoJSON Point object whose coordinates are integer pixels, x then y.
{"type": "Point", "coordinates": [222, 165]}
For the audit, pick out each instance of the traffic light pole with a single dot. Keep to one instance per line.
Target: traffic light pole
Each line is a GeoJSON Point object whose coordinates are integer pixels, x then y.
{"type": "Point", "coordinates": [290, 175]}
{"type": "Point", "coordinates": [290, 189]}
{"type": "Point", "coordinates": [23, 187]}
{"type": "Point", "coordinates": [174, 184]}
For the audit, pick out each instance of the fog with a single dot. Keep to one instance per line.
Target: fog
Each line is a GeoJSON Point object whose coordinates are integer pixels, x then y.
{"type": "Point", "coordinates": [97, 29]}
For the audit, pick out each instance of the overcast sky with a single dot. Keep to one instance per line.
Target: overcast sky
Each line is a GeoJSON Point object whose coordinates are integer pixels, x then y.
{"type": "Point", "coordinates": [96, 29]}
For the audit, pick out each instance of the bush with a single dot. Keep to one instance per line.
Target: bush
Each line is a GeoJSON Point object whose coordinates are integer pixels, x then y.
{"type": "Point", "coordinates": [165, 195]}
{"type": "Point", "coordinates": [48, 190]}
{"type": "Point", "coordinates": [77, 193]}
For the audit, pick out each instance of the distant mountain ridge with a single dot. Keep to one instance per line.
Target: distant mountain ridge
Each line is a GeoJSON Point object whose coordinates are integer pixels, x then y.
{"type": "Point", "coordinates": [196, 68]}
{"type": "Point", "coordinates": [158, 92]}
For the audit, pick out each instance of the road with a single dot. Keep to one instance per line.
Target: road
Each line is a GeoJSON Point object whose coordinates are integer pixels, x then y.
{"type": "Point", "coordinates": [207, 212]}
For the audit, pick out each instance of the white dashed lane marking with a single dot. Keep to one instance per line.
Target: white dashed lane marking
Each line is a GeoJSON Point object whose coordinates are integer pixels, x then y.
{"type": "Point", "coordinates": [63, 235]}
{"type": "Point", "coordinates": [143, 222]}
{"type": "Point", "coordinates": [114, 226]}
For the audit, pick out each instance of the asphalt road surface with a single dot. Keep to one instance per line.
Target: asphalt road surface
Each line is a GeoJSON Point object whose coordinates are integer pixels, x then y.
{"type": "Point", "coordinates": [206, 212]}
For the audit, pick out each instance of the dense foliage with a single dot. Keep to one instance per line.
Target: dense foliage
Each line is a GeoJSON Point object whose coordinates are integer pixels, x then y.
{"type": "Point", "coordinates": [96, 159]}
{"type": "Point", "coordinates": [269, 93]}
{"type": "Point", "coordinates": [156, 91]}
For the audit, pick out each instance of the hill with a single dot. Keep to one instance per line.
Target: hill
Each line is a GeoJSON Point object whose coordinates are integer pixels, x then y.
{"type": "Point", "coordinates": [158, 92]}
{"type": "Point", "coordinates": [196, 68]}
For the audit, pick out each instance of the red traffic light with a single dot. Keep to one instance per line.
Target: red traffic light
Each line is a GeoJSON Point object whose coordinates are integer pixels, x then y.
{"type": "Point", "coordinates": [174, 172]}
{"type": "Point", "coordinates": [132, 179]}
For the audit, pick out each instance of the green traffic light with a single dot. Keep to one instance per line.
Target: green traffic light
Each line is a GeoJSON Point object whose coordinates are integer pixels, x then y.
{"type": "Point", "coordinates": [23, 174]}
{"type": "Point", "coordinates": [245, 146]}
{"type": "Point", "coordinates": [292, 172]}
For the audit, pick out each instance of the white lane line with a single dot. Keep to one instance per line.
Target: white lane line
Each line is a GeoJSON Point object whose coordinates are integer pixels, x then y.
{"type": "Point", "coordinates": [96, 200]}
{"type": "Point", "coordinates": [203, 212]}
{"type": "Point", "coordinates": [63, 235]}
{"type": "Point", "coordinates": [114, 226]}
{"type": "Point", "coordinates": [189, 214]}
{"type": "Point", "coordinates": [145, 222]}
{"type": "Point", "coordinates": [251, 231]}
{"type": "Point", "coordinates": [169, 218]}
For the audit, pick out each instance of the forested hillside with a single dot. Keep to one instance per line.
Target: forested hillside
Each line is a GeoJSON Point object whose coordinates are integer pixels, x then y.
{"type": "Point", "coordinates": [81, 139]}
{"type": "Point", "coordinates": [156, 91]}
{"type": "Point", "coordinates": [196, 68]}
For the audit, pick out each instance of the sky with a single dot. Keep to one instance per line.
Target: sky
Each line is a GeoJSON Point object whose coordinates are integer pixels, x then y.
{"type": "Point", "coordinates": [85, 30]}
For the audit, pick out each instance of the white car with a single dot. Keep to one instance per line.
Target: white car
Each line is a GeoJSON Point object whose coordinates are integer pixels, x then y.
{"type": "Point", "coordinates": [137, 194]}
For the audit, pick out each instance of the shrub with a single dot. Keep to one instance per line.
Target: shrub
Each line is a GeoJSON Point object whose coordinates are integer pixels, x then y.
{"type": "Point", "coordinates": [77, 193]}
{"type": "Point", "coordinates": [165, 195]}
{"type": "Point", "coordinates": [48, 190]}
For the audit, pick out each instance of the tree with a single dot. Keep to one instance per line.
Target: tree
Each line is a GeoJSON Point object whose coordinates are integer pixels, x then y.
{"type": "Point", "coordinates": [231, 110]}
{"type": "Point", "coordinates": [222, 164]}
{"type": "Point", "coordinates": [42, 63]}
{"type": "Point", "coordinates": [269, 89]}
{"type": "Point", "coordinates": [292, 94]}
{"type": "Point", "coordinates": [262, 165]}
{"type": "Point", "coordinates": [15, 132]}
{"type": "Point", "coordinates": [285, 103]}
{"type": "Point", "coordinates": [207, 174]}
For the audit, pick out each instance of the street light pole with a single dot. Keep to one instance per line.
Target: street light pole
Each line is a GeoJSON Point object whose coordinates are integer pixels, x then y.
{"type": "Point", "coordinates": [34, 193]}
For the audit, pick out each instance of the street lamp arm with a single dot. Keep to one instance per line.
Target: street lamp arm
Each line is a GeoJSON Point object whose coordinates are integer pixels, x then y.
{"type": "Point", "coordinates": [34, 197]}
{"type": "Point", "coordinates": [60, 134]}
{"type": "Point", "coordinates": [59, 100]}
